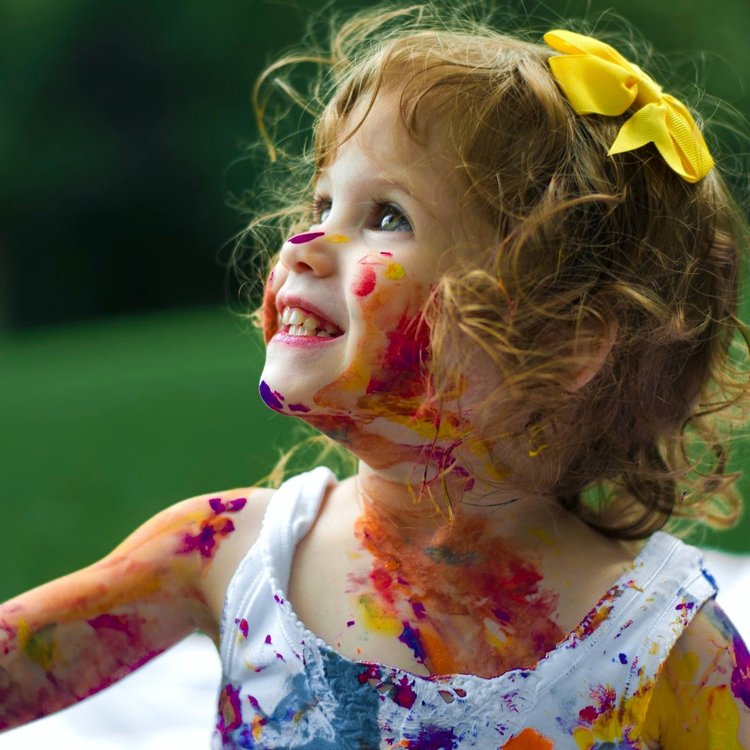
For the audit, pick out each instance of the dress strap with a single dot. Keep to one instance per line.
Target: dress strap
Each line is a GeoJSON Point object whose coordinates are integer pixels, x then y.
{"type": "Point", "coordinates": [290, 514]}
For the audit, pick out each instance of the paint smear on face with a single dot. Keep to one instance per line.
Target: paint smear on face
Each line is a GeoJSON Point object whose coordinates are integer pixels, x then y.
{"type": "Point", "coordinates": [299, 408]}
{"type": "Point", "coordinates": [337, 239]}
{"type": "Point", "coordinates": [272, 399]}
{"type": "Point", "coordinates": [301, 239]}
{"type": "Point", "coordinates": [403, 373]}
{"type": "Point", "coordinates": [529, 739]}
{"type": "Point", "coordinates": [365, 284]}
{"type": "Point", "coordinates": [394, 271]}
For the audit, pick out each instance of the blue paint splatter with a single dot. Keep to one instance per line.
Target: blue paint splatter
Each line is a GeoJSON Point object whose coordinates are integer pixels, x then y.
{"type": "Point", "coordinates": [623, 659]}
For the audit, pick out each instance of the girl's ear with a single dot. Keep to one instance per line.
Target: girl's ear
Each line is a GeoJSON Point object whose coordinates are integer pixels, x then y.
{"type": "Point", "coordinates": [592, 348]}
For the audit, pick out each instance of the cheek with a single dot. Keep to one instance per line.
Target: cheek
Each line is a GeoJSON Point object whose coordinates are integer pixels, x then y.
{"type": "Point", "coordinates": [268, 308]}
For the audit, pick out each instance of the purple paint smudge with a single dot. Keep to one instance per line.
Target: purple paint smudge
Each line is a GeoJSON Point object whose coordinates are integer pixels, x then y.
{"type": "Point", "coordinates": [434, 738]}
{"type": "Point", "coordinates": [299, 407]}
{"type": "Point", "coordinates": [623, 658]}
{"type": "Point", "coordinates": [217, 505]}
{"type": "Point", "coordinates": [272, 399]}
{"type": "Point", "coordinates": [419, 610]}
{"type": "Point", "coordinates": [301, 239]}
{"type": "Point", "coordinates": [230, 712]}
{"type": "Point", "coordinates": [410, 637]}
{"type": "Point", "coordinates": [741, 673]}
{"type": "Point", "coordinates": [243, 626]}
{"type": "Point", "coordinates": [205, 540]}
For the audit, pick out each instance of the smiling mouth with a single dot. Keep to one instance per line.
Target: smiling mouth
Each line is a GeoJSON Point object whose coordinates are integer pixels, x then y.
{"type": "Point", "coordinates": [294, 321]}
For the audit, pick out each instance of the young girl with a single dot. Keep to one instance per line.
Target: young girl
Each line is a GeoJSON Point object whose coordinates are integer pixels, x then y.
{"type": "Point", "coordinates": [509, 290]}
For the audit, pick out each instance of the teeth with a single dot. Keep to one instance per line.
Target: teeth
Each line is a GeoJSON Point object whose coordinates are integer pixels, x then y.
{"type": "Point", "coordinates": [301, 324]}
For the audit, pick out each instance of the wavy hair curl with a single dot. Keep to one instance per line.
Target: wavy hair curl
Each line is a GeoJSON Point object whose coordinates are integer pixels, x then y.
{"type": "Point", "coordinates": [590, 249]}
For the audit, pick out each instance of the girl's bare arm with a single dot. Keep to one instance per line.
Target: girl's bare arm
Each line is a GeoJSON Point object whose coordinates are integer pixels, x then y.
{"type": "Point", "coordinates": [68, 639]}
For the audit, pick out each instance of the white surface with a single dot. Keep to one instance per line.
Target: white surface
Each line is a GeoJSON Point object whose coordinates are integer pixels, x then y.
{"type": "Point", "coordinates": [171, 702]}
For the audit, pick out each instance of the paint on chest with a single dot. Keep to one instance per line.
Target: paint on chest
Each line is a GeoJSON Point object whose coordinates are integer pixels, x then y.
{"type": "Point", "coordinates": [461, 603]}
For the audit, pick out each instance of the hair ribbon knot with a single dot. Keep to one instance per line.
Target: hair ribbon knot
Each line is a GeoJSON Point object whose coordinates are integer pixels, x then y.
{"type": "Point", "coordinates": [596, 79]}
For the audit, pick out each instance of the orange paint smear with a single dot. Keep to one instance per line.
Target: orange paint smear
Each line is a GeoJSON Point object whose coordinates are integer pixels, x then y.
{"type": "Point", "coordinates": [450, 589]}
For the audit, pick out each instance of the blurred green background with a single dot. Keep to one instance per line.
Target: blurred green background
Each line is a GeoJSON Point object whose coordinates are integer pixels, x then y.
{"type": "Point", "coordinates": [127, 380]}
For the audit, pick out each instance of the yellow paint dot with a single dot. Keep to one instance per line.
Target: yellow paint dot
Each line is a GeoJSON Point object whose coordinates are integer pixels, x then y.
{"type": "Point", "coordinates": [534, 453]}
{"type": "Point", "coordinates": [394, 271]}
{"type": "Point", "coordinates": [337, 239]}
{"type": "Point", "coordinates": [542, 536]}
{"type": "Point", "coordinates": [374, 618]}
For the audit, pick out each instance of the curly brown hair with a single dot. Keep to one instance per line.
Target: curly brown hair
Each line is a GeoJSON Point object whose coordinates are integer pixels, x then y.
{"type": "Point", "coordinates": [612, 260]}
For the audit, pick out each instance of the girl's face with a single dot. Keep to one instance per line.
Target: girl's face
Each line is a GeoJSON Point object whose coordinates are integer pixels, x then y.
{"type": "Point", "coordinates": [385, 227]}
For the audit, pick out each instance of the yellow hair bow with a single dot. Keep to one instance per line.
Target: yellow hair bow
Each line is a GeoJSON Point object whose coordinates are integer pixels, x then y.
{"type": "Point", "coordinates": [596, 79]}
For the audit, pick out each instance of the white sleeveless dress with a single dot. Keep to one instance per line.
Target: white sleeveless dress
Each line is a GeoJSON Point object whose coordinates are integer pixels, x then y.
{"type": "Point", "coordinates": [285, 688]}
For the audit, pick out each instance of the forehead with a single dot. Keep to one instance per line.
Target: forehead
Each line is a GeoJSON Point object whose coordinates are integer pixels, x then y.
{"type": "Point", "coordinates": [373, 137]}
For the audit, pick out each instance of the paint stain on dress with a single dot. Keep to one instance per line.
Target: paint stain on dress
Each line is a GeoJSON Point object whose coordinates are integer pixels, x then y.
{"type": "Point", "coordinates": [741, 673]}
{"type": "Point", "coordinates": [529, 739]}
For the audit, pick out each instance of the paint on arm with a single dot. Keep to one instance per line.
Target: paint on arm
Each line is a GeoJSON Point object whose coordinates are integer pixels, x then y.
{"type": "Point", "coordinates": [702, 697]}
{"type": "Point", "coordinates": [68, 639]}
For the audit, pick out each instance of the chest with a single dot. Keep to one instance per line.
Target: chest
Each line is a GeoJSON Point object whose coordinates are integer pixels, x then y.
{"type": "Point", "coordinates": [437, 610]}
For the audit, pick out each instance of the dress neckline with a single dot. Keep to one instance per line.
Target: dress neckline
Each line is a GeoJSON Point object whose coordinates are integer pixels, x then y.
{"type": "Point", "coordinates": [600, 619]}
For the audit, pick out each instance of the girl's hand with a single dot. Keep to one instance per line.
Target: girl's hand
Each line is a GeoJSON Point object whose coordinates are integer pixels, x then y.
{"type": "Point", "coordinates": [70, 638]}
{"type": "Point", "coordinates": [702, 697]}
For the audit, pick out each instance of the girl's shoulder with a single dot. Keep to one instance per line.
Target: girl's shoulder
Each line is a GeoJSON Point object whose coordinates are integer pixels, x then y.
{"type": "Point", "coordinates": [230, 529]}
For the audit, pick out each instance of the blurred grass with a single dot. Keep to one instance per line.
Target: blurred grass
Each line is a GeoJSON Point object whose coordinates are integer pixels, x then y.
{"type": "Point", "coordinates": [106, 423]}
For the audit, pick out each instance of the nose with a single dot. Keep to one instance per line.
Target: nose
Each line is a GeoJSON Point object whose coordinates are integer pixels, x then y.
{"type": "Point", "coordinates": [309, 252]}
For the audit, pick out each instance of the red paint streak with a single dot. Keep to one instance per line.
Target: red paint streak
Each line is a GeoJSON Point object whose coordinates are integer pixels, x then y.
{"type": "Point", "coordinates": [386, 253]}
{"type": "Point", "coordinates": [369, 673]}
{"type": "Point", "coordinates": [405, 358]}
{"type": "Point", "coordinates": [243, 626]}
{"type": "Point", "coordinates": [588, 715]}
{"type": "Point", "coordinates": [366, 282]}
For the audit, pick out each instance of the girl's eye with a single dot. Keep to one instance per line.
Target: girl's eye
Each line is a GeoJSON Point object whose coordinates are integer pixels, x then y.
{"type": "Point", "coordinates": [321, 209]}
{"type": "Point", "coordinates": [390, 218]}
